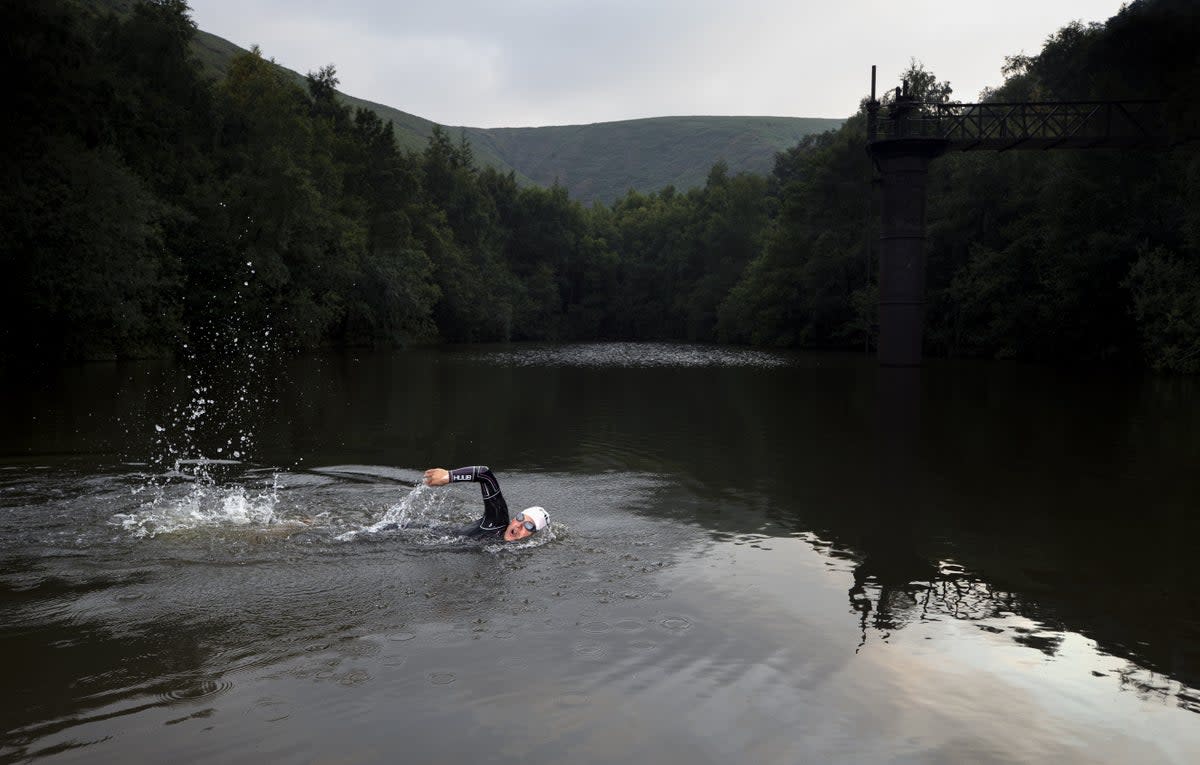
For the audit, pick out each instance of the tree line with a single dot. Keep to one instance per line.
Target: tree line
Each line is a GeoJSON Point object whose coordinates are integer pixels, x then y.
{"type": "Point", "coordinates": [145, 206]}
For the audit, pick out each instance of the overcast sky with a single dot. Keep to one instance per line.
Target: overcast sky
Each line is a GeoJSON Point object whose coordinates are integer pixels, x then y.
{"type": "Point", "coordinates": [512, 63]}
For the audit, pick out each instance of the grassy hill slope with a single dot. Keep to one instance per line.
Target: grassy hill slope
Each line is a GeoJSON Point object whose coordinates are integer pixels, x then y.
{"type": "Point", "coordinates": [596, 162]}
{"type": "Point", "coordinates": [602, 161]}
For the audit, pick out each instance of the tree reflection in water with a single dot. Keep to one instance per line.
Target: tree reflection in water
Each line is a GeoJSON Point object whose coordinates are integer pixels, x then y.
{"type": "Point", "coordinates": [905, 591]}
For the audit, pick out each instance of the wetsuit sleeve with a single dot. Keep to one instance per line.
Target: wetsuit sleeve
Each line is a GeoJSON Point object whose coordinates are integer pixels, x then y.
{"type": "Point", "coordinates": [495, 509]}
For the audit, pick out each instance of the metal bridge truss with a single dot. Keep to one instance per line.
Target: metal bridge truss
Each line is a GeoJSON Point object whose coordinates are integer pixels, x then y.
{"type": "Point", "coordinates": [1028, 125]}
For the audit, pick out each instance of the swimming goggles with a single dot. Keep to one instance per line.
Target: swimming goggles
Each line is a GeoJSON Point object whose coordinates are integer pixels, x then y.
{"type": "Point", "coordinates": [529, 525]}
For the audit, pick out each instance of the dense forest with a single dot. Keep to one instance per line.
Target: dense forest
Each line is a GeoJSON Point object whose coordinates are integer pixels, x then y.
{"type": "Point", "coordinates": [145, 206]}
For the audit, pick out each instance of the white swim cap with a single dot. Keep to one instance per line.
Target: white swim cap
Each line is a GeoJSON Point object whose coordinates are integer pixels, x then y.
{"type": "Point", "coordinates": [538, 515]}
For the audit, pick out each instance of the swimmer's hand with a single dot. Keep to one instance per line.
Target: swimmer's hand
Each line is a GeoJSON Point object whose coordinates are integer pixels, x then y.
{"type": "Point", "coordinates": [437, 477]}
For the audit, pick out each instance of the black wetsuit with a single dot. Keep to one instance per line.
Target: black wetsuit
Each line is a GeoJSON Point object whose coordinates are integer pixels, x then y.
{"type": "Point", "coordinates": [495, 509]}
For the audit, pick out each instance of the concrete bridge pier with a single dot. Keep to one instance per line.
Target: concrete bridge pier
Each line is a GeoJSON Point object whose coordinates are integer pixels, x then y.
{"type": "Point", "coordinates": [903, 163]}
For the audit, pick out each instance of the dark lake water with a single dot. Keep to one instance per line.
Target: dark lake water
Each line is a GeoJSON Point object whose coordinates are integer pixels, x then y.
{"type": "Point", "coordinates": [753, 557]}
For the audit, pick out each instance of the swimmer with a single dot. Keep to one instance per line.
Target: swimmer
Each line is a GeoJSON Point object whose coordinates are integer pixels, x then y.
{"type": "Point", "coordinates": [495, 522]}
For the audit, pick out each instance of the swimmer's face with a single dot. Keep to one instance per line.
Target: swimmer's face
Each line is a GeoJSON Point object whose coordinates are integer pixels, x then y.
{"type": "Point", "coordinates": [517, 530]}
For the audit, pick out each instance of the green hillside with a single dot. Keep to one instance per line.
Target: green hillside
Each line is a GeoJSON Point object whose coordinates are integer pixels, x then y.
{"type": "Point", "coordinates": [597, 162]}
{"type": "Point", "coordinates": [602, 161]}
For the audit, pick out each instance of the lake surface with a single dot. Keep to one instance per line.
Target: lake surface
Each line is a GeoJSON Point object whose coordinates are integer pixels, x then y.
{"type": "Point", "coordinates": [753, 557]}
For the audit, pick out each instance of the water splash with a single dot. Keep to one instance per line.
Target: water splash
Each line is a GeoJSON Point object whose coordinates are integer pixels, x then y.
{"type": "Point", "coordinates": [184, 506]}
{"type": "Point", "coordinates": [398, 513]}
{"type": "Point", "coordinates": [223, 361]}
{"type": "Point", "coordinates": [193, 489]}
{"type": "Point", "coordinates": [420, 502]}
{"type": "Point", "coordinates": [204, 437]}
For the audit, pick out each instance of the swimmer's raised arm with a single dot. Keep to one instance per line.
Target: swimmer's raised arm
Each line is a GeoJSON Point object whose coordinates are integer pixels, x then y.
{"type": "Point", "coordinates": [495, 520]}
{"type": "Point", "coordinates": [495, 509]}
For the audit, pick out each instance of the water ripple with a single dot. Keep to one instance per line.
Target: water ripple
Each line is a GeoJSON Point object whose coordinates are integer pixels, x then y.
{"type": "Point", "coordinates": [192, 690]}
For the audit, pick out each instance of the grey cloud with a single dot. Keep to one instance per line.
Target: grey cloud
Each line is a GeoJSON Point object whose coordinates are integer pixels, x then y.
{"type": "Point", "coordinates": [540, 61]}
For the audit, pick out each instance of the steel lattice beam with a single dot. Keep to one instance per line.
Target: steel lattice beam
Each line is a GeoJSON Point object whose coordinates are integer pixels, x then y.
{"type": "Point", "coordinates": [1001, 126]}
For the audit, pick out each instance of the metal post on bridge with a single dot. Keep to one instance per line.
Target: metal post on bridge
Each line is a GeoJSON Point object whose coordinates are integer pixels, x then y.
{"type": "Point", "coordinates": [910, 134]}
{"type": "Point", "coordinates": [903, 158]}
